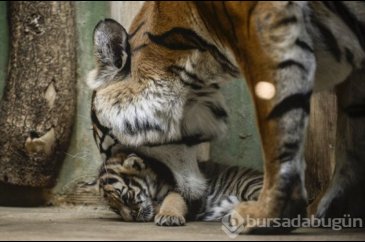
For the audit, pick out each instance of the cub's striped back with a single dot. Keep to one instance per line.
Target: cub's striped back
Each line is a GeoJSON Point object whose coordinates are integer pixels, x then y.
{"type": "Point", "coordinates": [228, 186]}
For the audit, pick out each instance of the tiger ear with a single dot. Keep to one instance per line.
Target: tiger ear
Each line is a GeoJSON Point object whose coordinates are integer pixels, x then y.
{"type": "Point", "coordinates": [112, 52]}
{"type": "Point", "coordinates": [111, 44]}
{"type": "Point", "coordinates": [134, 163]}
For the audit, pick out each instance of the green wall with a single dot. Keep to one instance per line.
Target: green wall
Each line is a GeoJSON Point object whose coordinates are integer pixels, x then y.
{"type": "Point", "coordinates": [83, 159]}
{"type": "Point", "coordinates": [4, 45]}
{"type": "Point", "coordinates": [241, 145]}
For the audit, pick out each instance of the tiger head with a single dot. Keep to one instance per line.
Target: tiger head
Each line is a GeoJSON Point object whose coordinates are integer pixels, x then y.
{"type": "Point", "coordinates": [156, 87]}
{"type": "Point", "coordinates": [129, 187]}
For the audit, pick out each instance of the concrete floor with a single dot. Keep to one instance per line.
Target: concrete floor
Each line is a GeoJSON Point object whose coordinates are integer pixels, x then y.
{"type": "Point", "coordinates": [92, 223]}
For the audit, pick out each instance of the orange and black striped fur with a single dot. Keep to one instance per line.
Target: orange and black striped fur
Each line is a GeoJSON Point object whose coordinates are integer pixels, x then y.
{"type": "Point", "coordinates": [160, 85]}
{"type": "Point", "coordinates": [144, 190]}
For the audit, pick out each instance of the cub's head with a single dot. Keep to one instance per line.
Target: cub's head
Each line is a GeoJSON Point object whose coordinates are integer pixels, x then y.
{"type": "Point", "coordinates": [158, 85]}
{"type": "Point", "coordinates": [129, 188]}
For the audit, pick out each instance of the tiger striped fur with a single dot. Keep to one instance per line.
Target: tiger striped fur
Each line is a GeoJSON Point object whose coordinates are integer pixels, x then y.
{"type": "Point", "coordinates": [160, 85]}
{"type": "Point", "coordinates": [134, 190]}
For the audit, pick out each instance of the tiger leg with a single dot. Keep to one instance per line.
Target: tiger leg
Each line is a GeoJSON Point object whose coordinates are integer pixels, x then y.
{"type": "Point", "coordinates": [345, 195]}
{"type": "Point", "coordinates": [279, 65]}
{"type": "Point", "coordinates": [182, 160]}
{"type": "Point", "coordinates": [172, 211]}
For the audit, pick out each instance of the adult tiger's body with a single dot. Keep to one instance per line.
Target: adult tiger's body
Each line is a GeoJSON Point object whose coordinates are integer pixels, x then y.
{"type": "Point", "coordinates": [160, 84]}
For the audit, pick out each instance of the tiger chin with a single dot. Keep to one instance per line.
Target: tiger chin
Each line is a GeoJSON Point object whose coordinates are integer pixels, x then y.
{"type": "Point", "coordinates": [140, 190]}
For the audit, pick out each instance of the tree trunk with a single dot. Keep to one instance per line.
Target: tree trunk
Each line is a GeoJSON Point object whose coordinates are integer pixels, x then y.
{"type": "Point", "coordinates": [4, 45]}
{"type": "Point", "coordinates": [38, 106]}
{"type": "Point", "coordinates": [321, 143]}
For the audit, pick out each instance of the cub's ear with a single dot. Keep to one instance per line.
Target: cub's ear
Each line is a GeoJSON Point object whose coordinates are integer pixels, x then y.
{"type": "Point", "coordinates": [133, 163]}
{"type": "Point", "coordinates": [112, 52]}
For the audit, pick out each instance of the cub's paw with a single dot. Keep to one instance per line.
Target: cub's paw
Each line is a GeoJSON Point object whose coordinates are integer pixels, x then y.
{"type": "Point", "coordinates": [169, 220]}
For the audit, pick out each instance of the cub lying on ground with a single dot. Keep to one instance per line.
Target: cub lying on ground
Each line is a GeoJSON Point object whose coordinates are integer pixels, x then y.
{"type": "Point", "coordinates": [142, 190]}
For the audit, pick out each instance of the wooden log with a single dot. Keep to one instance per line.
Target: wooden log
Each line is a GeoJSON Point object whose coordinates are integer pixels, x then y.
{"type": "Point", "coordinates": [4, 45]}
{"type": "Point", "coordinates": [83, 160]}
{"type": "Point", "coordinates": [38, 106]}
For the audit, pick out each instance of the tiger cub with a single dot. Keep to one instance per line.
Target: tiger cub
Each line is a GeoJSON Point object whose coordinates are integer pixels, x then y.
{"type": "Point", "coordinates": [143, 190]}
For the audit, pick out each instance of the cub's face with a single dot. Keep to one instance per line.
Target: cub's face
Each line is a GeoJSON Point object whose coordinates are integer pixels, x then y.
{"type": "Point", "coordinates": [127, 185]}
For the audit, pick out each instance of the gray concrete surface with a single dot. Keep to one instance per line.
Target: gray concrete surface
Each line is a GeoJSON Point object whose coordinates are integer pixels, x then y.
{"type": "Point", "coordinates": [95, 223]}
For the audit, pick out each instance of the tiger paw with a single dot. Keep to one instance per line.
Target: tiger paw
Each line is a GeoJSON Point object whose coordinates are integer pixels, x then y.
{"type": "Point", "coordinates": [169, 220]}
{"type": "Point", "coordinates": [336, 203]}
{"type": "Point", "coordinates": [261, 218]}
{"type": "Point", "coordinates": [246, 218]}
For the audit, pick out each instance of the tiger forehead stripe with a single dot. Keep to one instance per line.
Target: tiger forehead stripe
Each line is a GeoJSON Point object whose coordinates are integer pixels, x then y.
{"type": "Point", "coordinates": [265, 90]}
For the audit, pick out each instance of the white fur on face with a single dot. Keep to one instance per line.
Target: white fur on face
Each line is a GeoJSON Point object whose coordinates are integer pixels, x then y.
{"type": "Point", "coordinates": [152, 116]}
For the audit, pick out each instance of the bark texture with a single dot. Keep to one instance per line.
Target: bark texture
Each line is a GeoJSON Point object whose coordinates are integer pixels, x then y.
{"type": "Point", "coordinates": [38, 106]}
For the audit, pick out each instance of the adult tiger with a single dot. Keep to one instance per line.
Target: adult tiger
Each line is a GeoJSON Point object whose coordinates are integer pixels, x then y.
{"type": "Point", "coordinates": [150, 87]}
